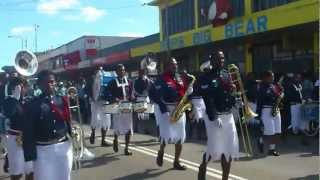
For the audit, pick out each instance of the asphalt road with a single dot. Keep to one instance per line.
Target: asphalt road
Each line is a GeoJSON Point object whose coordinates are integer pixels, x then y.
{"type": "Point", "coordinates": [296, 162]}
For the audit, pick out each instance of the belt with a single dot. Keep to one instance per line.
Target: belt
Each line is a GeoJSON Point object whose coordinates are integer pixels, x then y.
{"type": "Point", "coordinates": [196, 97]}
{"type": "Point", "coordinates": [54, 141]}
{"type": "Point", "coordinates": [267, 106]}
{"type": "Point", "coordinates": [295, 103]}
{"type": "Point", "coordinates": [14, 132]}
{"type": "Point", "coordinates": [224, 113]}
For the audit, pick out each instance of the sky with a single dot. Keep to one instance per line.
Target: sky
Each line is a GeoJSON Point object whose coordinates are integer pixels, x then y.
{"type": "Point", "coordinates": [60, 21]}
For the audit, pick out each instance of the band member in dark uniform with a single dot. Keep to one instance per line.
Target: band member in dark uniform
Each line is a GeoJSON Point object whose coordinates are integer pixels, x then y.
{"type": "Point", "coordinates": [14, 110]}
{"type": "Point", "coordinates": [45, 134]}
{"type": "Point", "coordinates": [166, 93]}
{"type": "Point", "coordinates": [217, 92]}
{"type": "Point", "coordinates": [268, 95]}
{"type": "Point", "coordinates": [120, 92]}
{"type": "Point", "coordinates": [294, 97]}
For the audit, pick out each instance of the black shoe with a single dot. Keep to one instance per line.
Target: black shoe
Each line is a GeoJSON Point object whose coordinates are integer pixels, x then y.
{"type": "Point", "coordinates": [273, 153]}
{"type": "Point", "coordinates": [178, 166]}
{"type": "Point", "coordinates": [160, 158]}
{"type": "Point", "coordinates": [127, 152]}
{"type": "Point", "coordinates": [6, 165]}
{"type": "Point", "coordinates": [115, 146]}
{"type": "Point", "coordinates": [92, 138]}
{"type": "Point", "coordinates": [202, 172]}
{"type": "Point", "coordinates": [260, 147]}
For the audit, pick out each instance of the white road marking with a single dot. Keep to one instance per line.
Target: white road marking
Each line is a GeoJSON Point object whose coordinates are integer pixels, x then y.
{"type": "Point", "coordinates": [189, 164]}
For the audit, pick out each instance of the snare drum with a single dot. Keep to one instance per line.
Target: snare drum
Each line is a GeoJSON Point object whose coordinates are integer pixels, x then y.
{"type": "Point", "coordinates": [125, 107]}
{"type": "Point", "coordinates": [111, 108]}
{"type": "Point", "coordinates": [140, 107]}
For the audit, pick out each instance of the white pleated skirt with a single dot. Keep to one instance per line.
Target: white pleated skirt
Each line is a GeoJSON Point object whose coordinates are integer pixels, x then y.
{"type": "Point", "coordinates": [198, 109]}
{"type": "Point", "coordinates": [54, 162]}
{"type": "Point", "coordinates": [16, 157]}
{"type": "Point", "coordinates": [98, 118]}
{"type": "Point", "coordinates": [122, 123]}
{"type": "Point", "coordinates": [271, 125]}
{"type": "Point", "coordinates": [172, 133]}
{"type": "Point", "coordinates": [222, 140]}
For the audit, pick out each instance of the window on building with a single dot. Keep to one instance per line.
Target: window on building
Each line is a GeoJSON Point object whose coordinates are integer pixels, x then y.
{"type": "Point", "coordinates": [203, 10]}
{"type": "Point", "coordinates": [180, 17]}
{"type": "Point", "coordinates": [259, 5]}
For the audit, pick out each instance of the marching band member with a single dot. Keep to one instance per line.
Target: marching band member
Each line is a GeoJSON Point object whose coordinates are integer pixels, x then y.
{"type": "Point", "coordinates": [120, 92]}
{"type": "Point", "coordinates": [267, 98]}
{"type": "Point", "coordinates": [45, 134]}
{"type": "Point", "coordinates": [14, 110]}
{"type": "Point", "coordinates": [98, 118]}
{"type": "Point", "coordinates": [167, 92]}
{"type": "Point", "coordinates": [223, 143]}
{"type": "Point", "coordinates": [294, 97]}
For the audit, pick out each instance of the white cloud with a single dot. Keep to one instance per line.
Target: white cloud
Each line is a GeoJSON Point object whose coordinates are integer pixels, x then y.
{"type": "Point", "coordinates": [87, 14]}
{"type": "Point", "coordinates": [91, 14]}
{"type": "Point", "coordinates": [131, 34]}
{"type": "Point", "coordinates": [144, 1]}
{"type": "Point", "coordinates": [21, 30]}
{"type": "Point", "coordinates": [51, 7]}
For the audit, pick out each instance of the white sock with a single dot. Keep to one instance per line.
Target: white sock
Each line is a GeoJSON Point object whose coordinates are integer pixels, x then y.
{"type": "Point", "coordinates": [272, 147]}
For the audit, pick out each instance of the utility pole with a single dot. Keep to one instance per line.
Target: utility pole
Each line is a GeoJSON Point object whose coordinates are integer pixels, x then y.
{"type": "Point", "coordinates": [36, 27]}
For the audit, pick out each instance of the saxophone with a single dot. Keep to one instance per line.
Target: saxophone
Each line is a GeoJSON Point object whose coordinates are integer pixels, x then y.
{"type": "Point", "coordinates": [183, 105]}
{"type": "Point", "coordinates": [276, 106]}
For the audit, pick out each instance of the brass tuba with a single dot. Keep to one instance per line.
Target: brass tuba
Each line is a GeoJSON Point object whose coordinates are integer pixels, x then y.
{"type": "Point", "coordinates": [184, 104]}
{"type": "Point", "coordinates": [26, 63]}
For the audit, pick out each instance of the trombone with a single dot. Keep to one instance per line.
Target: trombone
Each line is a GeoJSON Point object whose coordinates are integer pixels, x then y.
{"type": "Point", "coordinates": [77, 132]}
{"type": "Point", "coordinates": [247, 112]}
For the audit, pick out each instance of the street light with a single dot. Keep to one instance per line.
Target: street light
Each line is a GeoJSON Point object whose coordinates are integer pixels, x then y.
{"type": "Point", "coordinates": [18, 37]}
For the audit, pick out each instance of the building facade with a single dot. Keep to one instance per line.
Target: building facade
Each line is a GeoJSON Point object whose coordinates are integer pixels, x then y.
{"type": "Point", "coordinates": [281, 35]}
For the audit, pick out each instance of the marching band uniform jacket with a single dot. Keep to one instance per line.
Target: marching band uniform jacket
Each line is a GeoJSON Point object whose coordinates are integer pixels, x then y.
{"type": "Point", "coordinates": [252, 90]}
{"type": "Point", "coordinates": [47, 121]}
{"type": "Point", "coordinates": [141, 87]}
{"type": "Point", "coordinates": [267, 96]}
{"type": "Point", "coordinates": [115, 90]}
{"type": "Point", "coordinates": [216, 90]}
{"type": "Point", "coordinates": [168, 88]}
{"type": "Point", "coordinates": [294, 93]}
{"type": "Point", "coordinates": [14, 111]}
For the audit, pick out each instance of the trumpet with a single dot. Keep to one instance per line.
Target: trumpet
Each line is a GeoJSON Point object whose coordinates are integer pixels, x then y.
{"type": "Point", "coordinates": [247, 112]}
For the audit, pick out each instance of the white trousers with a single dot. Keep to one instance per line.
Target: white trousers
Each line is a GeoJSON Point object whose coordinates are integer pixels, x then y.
{"type": "Point", "coordinates": [122, 123]}
{"type": "Point", "coordinates": [222, 140]}
{"type": "Point", "coordinates": [16, 157]}
{"type": "Point", "coordinates": [172, 132]}
{"type": "Point", "coordinates": [98, 118]}
{"type": "Point", "coordinates": [54, 162]}
{"type": "Point", "coordinates": [272, 125]}
{"type": "Point", "coordinates": [297, 122]}
{"type": "Point", "coordinates": [198, 109]}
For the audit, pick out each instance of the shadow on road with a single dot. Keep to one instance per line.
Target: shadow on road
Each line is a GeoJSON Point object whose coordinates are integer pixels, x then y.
{"type": "Point", "coordinates": [147, 174]}
{"type": "Point", "coordinates": [101, 160]}
{"type": "Point", "coordinates": [309, 177]}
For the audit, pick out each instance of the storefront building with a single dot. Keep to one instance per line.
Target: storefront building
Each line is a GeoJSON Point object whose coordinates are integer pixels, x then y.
{"type": "Point", "coordinates": [281, 35]}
